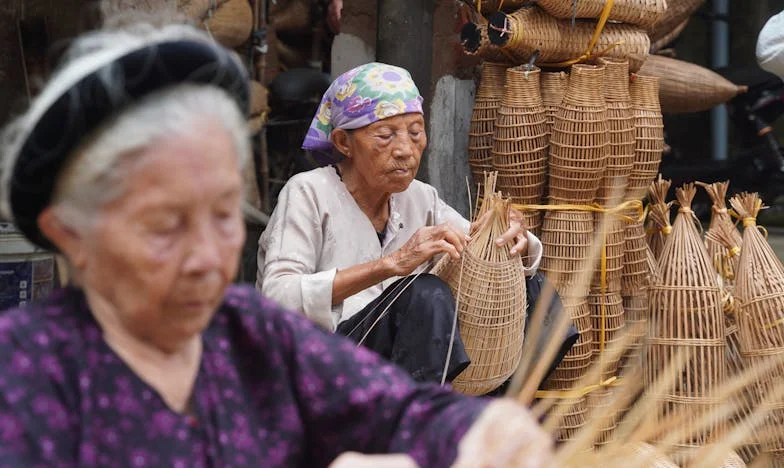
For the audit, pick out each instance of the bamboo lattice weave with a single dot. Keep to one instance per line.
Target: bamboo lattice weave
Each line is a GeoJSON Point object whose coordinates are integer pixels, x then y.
{"type": "Point", "coordinates": [553, 89]}
{"type": "Point", "coordinates": [649, 135]}
{"type": "Point", "coordinates": [644, 13]}
{"type": "Point", "coordinates": [635, 270]}
{"type": "Point", "coordinates": [486, 104]}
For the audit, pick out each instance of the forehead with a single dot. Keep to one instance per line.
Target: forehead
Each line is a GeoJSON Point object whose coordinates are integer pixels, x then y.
{"type": "Point", "coordinates": [403, 120]}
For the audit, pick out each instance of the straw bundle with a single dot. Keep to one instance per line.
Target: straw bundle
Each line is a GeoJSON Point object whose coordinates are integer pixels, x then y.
{"type": "Point", "coordinates": [553, 87]}
{"type": "Point", "coordinates": [725, 260]}
{"type": "Point", "coordinates": [759, 292]}
{"type": "Point", "coordinates": [474, 40]}
{"type": "Point", "coordinates": [668, 38]}
{"type": "Point", "coordinates": [480, 136]}
{"type": "Point", "coordinates": [687, 315]}
{"type": "Point", "coordinates": [491, 319]}
{"type": "Point", "coordinates": [520, 143]}
{"type": "Point", "coordinates": [677, 12]}
{"type": "Point", "coordinates": [531, 29]}
{"type": "Point", "coordinates": [644, 13]}
{"type": "Point", "coordinates": [620, 122]}
{"type": "Point", "coordinates": [231, 23]}
{"type": "Point", "coordinates": [686, 87]}
{"type": "Point", "coordinates": [658, 216]}
{"type": "Point", "coordinates": [579, 140]}
{"type": "Point", "coordinates": [649, 135]}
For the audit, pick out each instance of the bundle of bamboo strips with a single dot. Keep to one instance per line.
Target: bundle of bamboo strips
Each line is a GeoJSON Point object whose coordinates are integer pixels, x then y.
{"type": "Point", "coordinates": [659, 227]}
{"type": "Point", "coordinates": [722, 257]}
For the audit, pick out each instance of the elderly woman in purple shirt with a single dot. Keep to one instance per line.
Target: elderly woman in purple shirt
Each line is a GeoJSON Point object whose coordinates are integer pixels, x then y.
{"type": "Point", "coordinates": [129, 164]}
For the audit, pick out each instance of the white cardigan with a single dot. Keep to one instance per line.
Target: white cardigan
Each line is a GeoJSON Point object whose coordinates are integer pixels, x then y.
{"type": "Point", "coordinates": [317, 229]}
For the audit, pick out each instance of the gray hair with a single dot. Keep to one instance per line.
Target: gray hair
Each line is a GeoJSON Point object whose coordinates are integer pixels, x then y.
{"type": "Point", "coordinates": [94, 174]}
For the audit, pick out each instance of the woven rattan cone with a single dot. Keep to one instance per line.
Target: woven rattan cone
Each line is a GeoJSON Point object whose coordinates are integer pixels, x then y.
{"type": "Point", "coordinates": [573, 420]}
{"type": "Point", "coordinates": [520, 139]}
{"type": "Point", "coordinates": [733, 460]}
{"type": "Point", "coordinates": [759, 295]}
{"type": "Point", "coordinates": [721, 224]}
{"type": "Point", "coordinates": [474, 39]}
{"type": "Point", "coordinates": [620, 122]}
{"type": "Point", "coordinates": [608, 321]}
{"type": "Point", "coordinates": [567, 237]}
{"type": "Point", "coordinates": [489, 288]}
{"type": "Point", "coordinates": [687, 87]}
{"type": "Point", "coordinates": [649, 135]}
{"type": "Point", "coordinates": [643, 13]}
{"type": "Point", "coordinates": [553, 88]}
{"type": "Point", "coordinates": [486, 104]}
{"type": "Point", "coordinates": [635, 272]}
{"type": "Point", "coordinates": [531, 29]}
{"type": "Point", "coordinates": [687, 317]}
{"type": "Point", "coordinates": [579, 139]}
{"type": "Point", "coordinates": [677, 12]}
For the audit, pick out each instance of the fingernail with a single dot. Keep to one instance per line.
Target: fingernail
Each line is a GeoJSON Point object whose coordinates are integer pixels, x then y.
{"type": "Point", "coordinates": [513, 251]}
{"type": "Point", "coordinates": [499, 241]}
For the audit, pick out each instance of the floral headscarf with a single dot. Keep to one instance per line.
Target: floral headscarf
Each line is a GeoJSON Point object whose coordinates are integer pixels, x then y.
{"type": "Point", "coordinates": [358, 98]}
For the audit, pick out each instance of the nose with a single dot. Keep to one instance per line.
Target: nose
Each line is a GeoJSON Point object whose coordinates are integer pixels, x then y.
{"type": "Point", "coordinates": [204, 253]}
{"type": "Point", "coordinates": [405, 148]}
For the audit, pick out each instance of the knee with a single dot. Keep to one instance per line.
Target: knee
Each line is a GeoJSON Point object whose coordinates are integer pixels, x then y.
{"type": "Point", "coordinates": [429, 289]}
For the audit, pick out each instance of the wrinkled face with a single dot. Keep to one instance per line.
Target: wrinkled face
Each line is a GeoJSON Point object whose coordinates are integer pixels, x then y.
{"type": "Point", "coordinates": [163, 253]}
{"type": "Point", "coordinates": [387, 153]}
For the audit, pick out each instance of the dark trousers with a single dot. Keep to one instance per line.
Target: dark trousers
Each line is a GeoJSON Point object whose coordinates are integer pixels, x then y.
{"type": "Point", "coordinates": [415, 330]}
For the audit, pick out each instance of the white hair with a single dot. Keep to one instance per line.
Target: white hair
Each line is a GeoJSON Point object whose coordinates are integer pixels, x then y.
{"type": "Point", "coordinates": [94, 173]}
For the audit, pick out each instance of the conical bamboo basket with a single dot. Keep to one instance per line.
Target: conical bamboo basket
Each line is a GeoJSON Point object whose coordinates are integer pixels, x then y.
{"type": "Point", "coordinates": [531, 29]}
{"type": "Point", "coordinates": [644, 13]}
{"type": "Point", "coordinates": [687, 316]}
{"type": "Point", "coordinates": [520, 143]}
{"type": "Point", "coordinates": [480, 137]}
{"type": "Point", "coordinates": [649, 135]}
{"type": "Point", "coordinates": [622, 134]}
{"type": "Point", "coordinates": [553, 89]}
{"type": "Point", "coordinates": [677, 12]}
{"type": "Point", "coordinates": [231, 23]}
{"type": "Point", "coordinates": [474, 40]}
{"type": "Point", "coordinates": [612, 230]}
{"type": "Point", "coordinates": [489, 288]}
{"type": "Point", "coordinates": [720, 219]}
{"type": "Point", "coordinates": [686, 87]}
{"type": "Point", "coordinates": [759, 293]}
{"type": "Point", "coordinates": [607, 321]}
{"type": "Point", "coordinates": [579, 140]}
{"type": "Point", "coordinates": [567, 237]}
{"type": "Point", "coordinates": [635, 271]}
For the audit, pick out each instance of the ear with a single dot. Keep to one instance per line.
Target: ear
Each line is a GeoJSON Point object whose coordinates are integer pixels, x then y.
{"type": "Point", "coordinates": [342, 141]}
{"type": "Point", "coordinates": [64, 237]}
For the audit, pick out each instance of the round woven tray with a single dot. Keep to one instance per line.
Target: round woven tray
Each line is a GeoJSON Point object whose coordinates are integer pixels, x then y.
{"type": "Point", "coordinates": [531, 29]}
{"type": "Point", "coordinates": [649, 135]}
{"type": "Point", "coordinates": [644, 13]}
{"type": "Point", "coordinates": [480, 136]}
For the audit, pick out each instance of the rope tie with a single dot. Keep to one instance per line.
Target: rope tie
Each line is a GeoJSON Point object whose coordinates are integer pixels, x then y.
{"type": "Point", "coordinates": [666, 230]}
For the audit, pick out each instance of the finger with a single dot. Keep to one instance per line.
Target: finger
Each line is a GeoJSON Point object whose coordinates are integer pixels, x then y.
{"type": "Point", "coordinates": [442, 246]}
{"type": "Point", "coordinates": [509, 236]}
{"type": "Point", "coordinates": [521, 246]}
{"type": "Point", "coordinates": [455, 237]}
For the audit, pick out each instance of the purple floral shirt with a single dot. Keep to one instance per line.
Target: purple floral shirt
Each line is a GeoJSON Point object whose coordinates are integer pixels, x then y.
{"type": "Point", "coordinates": [272, 391]}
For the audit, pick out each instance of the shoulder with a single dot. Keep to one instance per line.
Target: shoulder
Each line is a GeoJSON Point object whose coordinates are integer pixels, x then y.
{"type": "Point", "coordinates": [419, 188]}
{"type": "Point", "coordinates": [315, 179]}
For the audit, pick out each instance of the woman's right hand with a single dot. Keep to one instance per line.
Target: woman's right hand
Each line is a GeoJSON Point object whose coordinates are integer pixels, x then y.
{"type": "Point", "coordinates": [426, 243]}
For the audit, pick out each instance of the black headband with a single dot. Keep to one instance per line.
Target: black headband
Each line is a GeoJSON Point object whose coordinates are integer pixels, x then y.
{"type": "Point", "coordinates": [87, 104]}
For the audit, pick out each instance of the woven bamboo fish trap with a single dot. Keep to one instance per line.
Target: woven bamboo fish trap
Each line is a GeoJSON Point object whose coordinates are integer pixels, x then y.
{"type": "Point", "coordinates": [520, 143]}
{"type": "Point", "coordinates": [579, 140]}
{"type": "Point", "coordinates": [669, 37]}
{"type": "Point", "coordinates": [759, 293]}
{"type": "Point", "coordinates": [231, 23]}
{"type": "Point", "coordinates": [687, 316]}
{"type": "Point", "coordinates": [649, 135]}
{"type": "Point", "coordinates": [599, 404]}
{"type": "Point", "coordinates": [480, 136]}
{"type": "Point", "coordinates": [567, 237]}
{"type": "Point", "coordinates": [613, 231]}
{"type": "Point", "coordinates": [635, 309]}
{"type": "Point", "coordinates": [658, 227]}
{"type": "Point", "coordinates": [489, 288]}
{"type": "Point", "coordinates": [553, 88]}
{"type": "Point", "coordinates": [724, 259]}
{"type": "Point", "coordinates": [491, 6]}
{"type": "Point", "coordinates": [634, 273]}
{"type": "Point", "coordinates": [620, 122]}
{"type": "Point", "coordinates": [473, 38]}
{"type": "Point", "coordinates": [686, 87]}
{"type": "Point", "coordinates": [644, 13]}
{"type": "Point", "coordinates": [607, 320]}
{"type": "Point", "coordinates": [532, 29]}
{"type": "Point", "coordinates": [677, 12]}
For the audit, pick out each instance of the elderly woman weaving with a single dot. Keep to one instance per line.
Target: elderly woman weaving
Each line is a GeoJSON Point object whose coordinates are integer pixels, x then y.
{"type": "Point", "coordinates": [129, 163]}
{"type": "Point", "coordinates": [342, 236]}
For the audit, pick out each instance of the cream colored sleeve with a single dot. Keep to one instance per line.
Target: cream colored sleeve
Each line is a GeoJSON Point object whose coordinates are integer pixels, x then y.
{"type": "Point", "coordinates": [770, 46]}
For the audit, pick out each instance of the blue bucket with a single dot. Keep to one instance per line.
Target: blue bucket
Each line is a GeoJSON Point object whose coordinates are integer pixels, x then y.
{"type": "Point", "coordinates": [26, 271]}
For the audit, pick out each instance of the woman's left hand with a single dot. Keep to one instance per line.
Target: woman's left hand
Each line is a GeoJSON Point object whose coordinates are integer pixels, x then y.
{"type": "Point", "coordinates": [515, 236]}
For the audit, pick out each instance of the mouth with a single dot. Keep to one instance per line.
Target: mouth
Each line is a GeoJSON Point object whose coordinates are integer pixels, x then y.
{"type": "Point", "coordinates": [400, 172]}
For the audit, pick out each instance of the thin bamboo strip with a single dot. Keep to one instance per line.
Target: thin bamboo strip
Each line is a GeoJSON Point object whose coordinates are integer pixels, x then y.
{"type": "Point", "coordinates": [649, 135]}
{"type": "Point", "coordinates": [644, 13]}
{"type": "Point", "coordinates": [480, 136]}
{"type": "Point", "coordinates": [579, 140]}
{"type": "Point", "coordinates": [687, 314]}
{"type": "Point", "coordinates": [532, 29]}
{"type": "Point", "coordinates": [520, 142]}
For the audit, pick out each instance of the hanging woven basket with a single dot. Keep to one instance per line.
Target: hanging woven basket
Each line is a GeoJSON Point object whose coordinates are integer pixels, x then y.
{"type": "Point", "coordinates": [677, 12]}
{"type": "Point", "coordinates": [686, 87]}
{"type": "Point", "coordinates": [648, 135]}
{"type": "Point", "coordinates": [473, 38]}
{"type": "Point", "coordinates": [531, 29]}
{"type": "Point", "coordinates": [667, 39]}
{"type": "Point", "coordinates": [480, 136]}
{"type": "Point", "coordinates": [231, 23]}
{"type": "Point", "coordinates": [620, 123]}
{"type": "Point", "coordinates": [643, 13]}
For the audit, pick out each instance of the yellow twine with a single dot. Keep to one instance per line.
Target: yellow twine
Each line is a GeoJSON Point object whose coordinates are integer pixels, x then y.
{"type": "Point", "coordinates": [774, 324]}
{"type": "Point", "coordinates": [667, 230]}
{"type": "Point", "coordinates": [749, 222]}
{"type": "Point", "coordinates": [573, 394]}
{"type": "Point", "coordinates": [734, 251]}
{"type": "Point", "coordinates": [594, 39]}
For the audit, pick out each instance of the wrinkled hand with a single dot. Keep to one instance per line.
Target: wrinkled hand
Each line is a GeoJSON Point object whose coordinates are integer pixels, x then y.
{"type": "Point", "coordinates": [505, 435]}
{"type": "Point", "coordinates": [334, 13]}
{"type": "Point", "coordinates": [357, 460]}
{"type": "Point", "coordinates": [426, 243]}
{"type": "Point", "coordinates": [516, 234]}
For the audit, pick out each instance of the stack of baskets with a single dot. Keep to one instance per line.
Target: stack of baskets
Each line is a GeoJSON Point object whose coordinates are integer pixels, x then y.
{"type": "Point", "coordinates": [480, 138]}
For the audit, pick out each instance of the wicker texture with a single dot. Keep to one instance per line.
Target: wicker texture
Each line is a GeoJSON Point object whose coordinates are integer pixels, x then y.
{"type": "Point", "coordinates": [649, 135]}
{"type": "Point", "coordinates": [733, 460]}
{"type": "Point", "coordinates": [686, 87]}
{"type": "Point", "coordinates": [622, 134]}
{"type": "Point", "coordinates": [520, 143]}
{"type": "Point", "coordinates": [491, 6]}
{"type": "Point", "coordinates": [480, 137]}
{"type": "Point", "coordinates": [579, 140]}
{"type": "Point", "coordinates": [644, 13]}
{"type": "Point", "coordinates": [600, 406]}
{"type": "Point", "coordinates": [668, 38]}
{"type": "Point", "coordinates": [635, 309]}
{"type": "Point", "coordinates": [607, 321]}
{"type": "Point", "coordinates": [613, 236]}
{"type": "Point", "coordinates": [658, 227]}
{"type": "Point", "coordinates": [687, 316]}
{"type": "Point", "coordinates": [721, 224]}
{"type": "Point", "coordinates": [231, 23]}
{"type": "Point", "coordinates": [489, 288]}
{"type": "Point", "coordinates": [635, 271]}
{"type": "Point", "coordinates": [531, 29]}
{"type": "Point", "coordinates": [677, 12]}
{"type": "Point", "coordinates": [759, 292]}
{"type": "Point", "coordinates": [648, 456]}
{"type": "Point", "coordinates": [553, 88]}
{"type": "Point", "coordinates": [474, 39]}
